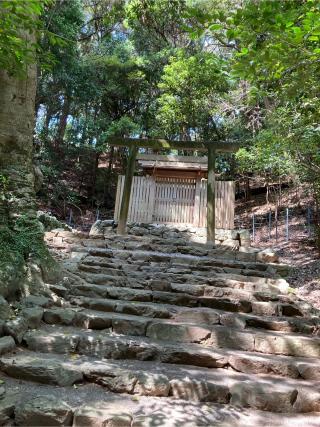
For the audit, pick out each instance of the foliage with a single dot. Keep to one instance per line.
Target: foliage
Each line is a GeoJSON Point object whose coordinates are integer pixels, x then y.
{"type": "Point", "coordinates": [16, 18]}
{"type": "Point", "coordinates": [190, 88]}
{"type": "Point", "coordinates": [23, 241]}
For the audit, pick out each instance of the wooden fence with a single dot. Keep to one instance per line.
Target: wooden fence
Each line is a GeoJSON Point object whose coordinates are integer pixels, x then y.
{"type": "Point", "coordinates": [176, 200]}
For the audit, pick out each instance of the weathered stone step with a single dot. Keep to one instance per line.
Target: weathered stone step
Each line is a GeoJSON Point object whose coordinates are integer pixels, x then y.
{"type": "Point", "coordinates": [157, 344]}
{"type": "Point", "coordinates": [226, 299]}
{"type": "Point", "coordinates": [216, 258]}
{"type": "Point", "coordinates": [147, 309]}
{"type": "Point", "coordinates": [162, 380]}
{"type": "Point", "coordinates": [92, 406]}
{"type": "Point", "coordinates": [236, 281]}
{"type": "Point", "coordinates": [133, 318]}
{"type": "Point", "coordinates": [108, 257]}
{"type": "Point", "coordinates": [91, 263]}
{"type": "Point", "coordinates": [68, 340]}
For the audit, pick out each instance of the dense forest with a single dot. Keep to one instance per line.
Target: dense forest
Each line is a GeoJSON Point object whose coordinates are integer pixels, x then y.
{"type": "Point", "coordinates": [86, 70]}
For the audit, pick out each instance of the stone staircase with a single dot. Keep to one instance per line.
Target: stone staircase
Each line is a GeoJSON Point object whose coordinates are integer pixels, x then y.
{"type": "Point", "coordinates": [152, 330]}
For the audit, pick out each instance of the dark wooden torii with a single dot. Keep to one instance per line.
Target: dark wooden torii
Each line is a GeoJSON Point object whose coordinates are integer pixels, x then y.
{"type": "Point", "coordinates": [159, 144]}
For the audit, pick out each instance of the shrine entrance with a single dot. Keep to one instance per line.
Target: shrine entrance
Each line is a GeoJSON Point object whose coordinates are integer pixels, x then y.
{"type": "Point", "coordinates": [160, 144]}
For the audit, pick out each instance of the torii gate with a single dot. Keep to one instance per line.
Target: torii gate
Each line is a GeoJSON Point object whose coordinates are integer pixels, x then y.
{"type": "Point", "coordinates": [159, 144]}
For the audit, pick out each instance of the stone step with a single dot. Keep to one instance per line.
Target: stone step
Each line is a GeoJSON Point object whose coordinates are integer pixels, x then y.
{"type": "Point", "coordinates": [91, 406]}
{"type": "Point", "coordinates": [162, 380]}
{"type": "Point", "coordinates": [215, 258]}
{"type": "Point", "coordinates": [226, 299]}
{"type": "Point", "coordinates": [163, 335]}
{"type": "Point", "coordinates": [200, 315]}
{"type": "Point", "coordinates": [192, 325]}
{"type": "Point", "coordinates": [179, 272]}
{"type": "Point", "coordinates": [236, 281]}
{"type": "Point", "coordinates": [162, 263]}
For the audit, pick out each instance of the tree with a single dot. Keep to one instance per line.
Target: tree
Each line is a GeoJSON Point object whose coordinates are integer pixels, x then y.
{"type": "Point", "coordinates": [20, 233]}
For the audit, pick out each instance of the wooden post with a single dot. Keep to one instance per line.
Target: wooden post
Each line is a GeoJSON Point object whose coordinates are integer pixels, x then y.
{"type": "Point", "coordinates": [124, 209]}
{"type": "Point", "coordinates": [196, 210]}
{"type": "Point", "coordinates": [211, 221]}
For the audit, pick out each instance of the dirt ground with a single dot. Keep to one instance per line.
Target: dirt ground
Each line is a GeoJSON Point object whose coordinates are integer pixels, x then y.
{"type": "Point", "coordinates": [299, 250]}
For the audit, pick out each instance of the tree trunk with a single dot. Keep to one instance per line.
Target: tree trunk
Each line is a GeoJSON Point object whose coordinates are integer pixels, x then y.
{"type": "Point", "coordinates": [21, 234]}
{"type": "Point", "coordinates": [17, 110]}
{"type": "Point", "coordinates": [63, 121]}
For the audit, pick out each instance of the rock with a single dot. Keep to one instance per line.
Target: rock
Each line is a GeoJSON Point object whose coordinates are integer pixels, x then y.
{"type": "Point", "coordinates": [50, 222]}
{"type": "Point", "coordinates": [122, 382]}
{"type": "Point", "coordinates": [7, 406]}
{"type": "Point", "coordinates": [291, 345]}
{"type": "Point", "coordinates": [307, 401]}
{"type": "Point", "coordinates": [34, 300]}
{"type": "Point", "coordinates": [231, 338]}
{"type": "Point", "coordinates": [264, 308]}
{"type": "Point", "coordinates": [7, 344]}
{"type": "Point", "coordinates": [143, 309]}
{"type": "Point", "coordinates": [102, 414]}
{"type": "Point", "coordinates": [59, 290]}
{"type": "Point", "coordinates": [43, 411]}
{"type": "Point", "coordinates": [46, 371]}
{"type": "Point", "coordinates": [16, 328]}
{"type": "Point", "coordinates": [199, 391]}
{"type": "Point", "coordinates": [226, 304]}
{"type": "Point", "coordinates": [267, 255]}
{"type": "Point", "coordinates": [33, 316]}
{"type": "Point", "coordinates": [198, 316]}
{"type": "Point", "coordinates": [97, 230]}
{"type": "Point", "coordinates": [150, 384]}
{"type": "Point", "coordinates": [55, 342]}
{"type": "Point", "coordinates": [159, 285]}
{"type": "Point", "coordinates": [2, 392]}
{"type": "Point", "coordinates": [259, 365]}
{"type": "Point", "coordinates": [64, 316]}
{"type": "Point", "coordinates": [177, 333]}
{"type": "Point", "coordinates": [5, 310]}
{"type": "Point", "coordinates": [233, 244]}
{"type": "Point", "coordinates": [309, 371]}
{"type": "Point", "coordinates": [93, 320]}
{"type": "Point", "coordinates": [129, 326]}
{"type": "Point", "coordinates": [262, 397]}
{"type": "Point", "coordinates": [138, 231]}
{"type": "Point", "coordinates": [244, 237]}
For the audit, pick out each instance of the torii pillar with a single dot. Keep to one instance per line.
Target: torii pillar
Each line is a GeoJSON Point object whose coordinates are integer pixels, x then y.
{"type": "Point", "coordinates": [162, 144]}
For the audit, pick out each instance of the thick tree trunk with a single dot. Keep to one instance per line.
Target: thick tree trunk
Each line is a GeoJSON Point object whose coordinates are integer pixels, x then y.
{"type": "Point", "coordinates": [17, 109]}
{"type": "Point", "coordinates": [23, 258]}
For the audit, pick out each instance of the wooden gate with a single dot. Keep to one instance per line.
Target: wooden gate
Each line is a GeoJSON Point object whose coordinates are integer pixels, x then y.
{"type": "Point", "coordinates": [177, 200]}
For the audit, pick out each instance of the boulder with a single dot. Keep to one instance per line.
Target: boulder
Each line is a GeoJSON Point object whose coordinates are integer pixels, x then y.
{"type": "Point", "coordinates": [64, 316]}
{"type": "Point", "coordinates": [97, 230]}
{"type": "Point", "coordinates": [118, 382]}
{"type": "Point", "coordinates": [7, 344]}
{"type": "Point", "coordinates": [267, 255]}
{"type": "Point", "coordinates": [33, 316]}
{"type": "Point", "coordinates": [16, 328]}
{"type": "Point", "coordinates": [5, 310]}
{"type": "Point", "coordinates": [43, 411]}
{"type": "Point", "coordinates": [7, 405]}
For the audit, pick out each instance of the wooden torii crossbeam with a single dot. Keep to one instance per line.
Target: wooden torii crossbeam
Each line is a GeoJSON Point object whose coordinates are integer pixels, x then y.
{"type": "Point", "coordinates": [160, 144]}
